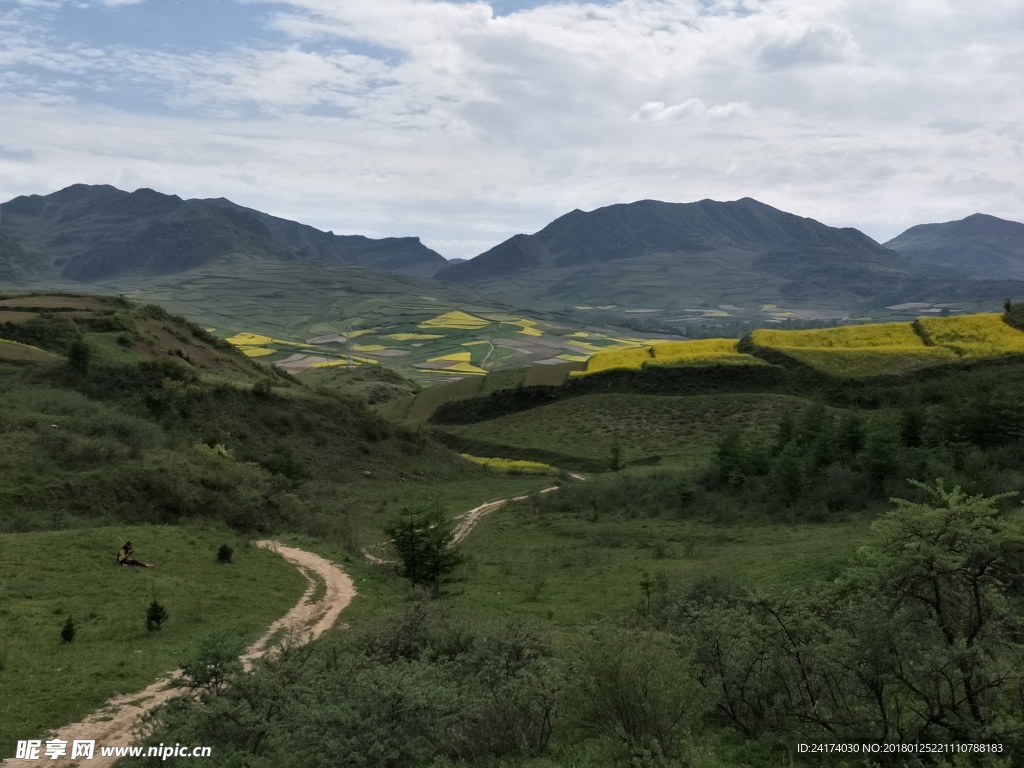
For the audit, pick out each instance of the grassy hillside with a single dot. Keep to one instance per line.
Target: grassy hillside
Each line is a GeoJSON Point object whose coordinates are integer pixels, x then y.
{"type": "Point", "coordinates": [47, 577]}
{"type": "Point", "coordinates": [129, 414]}
{"type": "Point", "coordinates": [583, 432]}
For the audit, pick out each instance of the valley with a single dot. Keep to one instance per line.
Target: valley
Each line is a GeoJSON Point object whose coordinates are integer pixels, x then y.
{"type": "Point", "coordinates": [612, 485]}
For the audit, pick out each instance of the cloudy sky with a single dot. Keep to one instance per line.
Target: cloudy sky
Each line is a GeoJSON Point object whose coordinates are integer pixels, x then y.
{"type": "Point", "coordinates": [467, 122]}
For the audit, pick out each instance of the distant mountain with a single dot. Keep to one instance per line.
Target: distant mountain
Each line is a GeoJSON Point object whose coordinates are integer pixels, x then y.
{"type": "Point", "coordinates": [95, 233]}
{"type": "Point", "coordinates": [981, 246]}
{"type": "Point", "coordinates": [668, 255]}
{"type": "Point", "coordinates": [452, 262]}
{"type": "Point", "coordinates": [15, 265]}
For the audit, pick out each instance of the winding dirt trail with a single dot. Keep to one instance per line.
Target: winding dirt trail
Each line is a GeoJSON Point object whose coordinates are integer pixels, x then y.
{"type": "Point", "coordinates": [469, 520]}
{"type": "Point", "coordinates": [115, 723]}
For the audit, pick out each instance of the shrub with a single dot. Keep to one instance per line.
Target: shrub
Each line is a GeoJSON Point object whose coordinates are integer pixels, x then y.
{"type": "Point", "coordinates": [224, 554]}
{"type": "Point", "coordinates": [638, 691]}
{"type": "Point", "coordinates": [262, 388]}
{"type": "Point", "coordinates": [67, 632]}
{"type": "Point", "coordinates": [79, 355]}
{"type": "Point", "coordinates": [156, 615]}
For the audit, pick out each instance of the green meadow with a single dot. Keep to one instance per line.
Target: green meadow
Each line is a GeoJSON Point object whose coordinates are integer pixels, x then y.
{"type": "Point", "coordinates": [47, 577]}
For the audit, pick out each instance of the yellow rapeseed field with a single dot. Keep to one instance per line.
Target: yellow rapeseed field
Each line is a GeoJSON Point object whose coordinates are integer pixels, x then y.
{"type": "Point", "coordinates": [843, 337]}
{"type": "Point", "coordinates": [467, 368]}
{"type": "Point", "coordinates": [243, 339]}
{"type": "Point", "coordinates": [527, 327]}
{"type": "Point", "coordinates": [464, 357]}
{"type": "Point", "coordinates": [257, 351]}
{"type": "Point", "coordinates": [700, 352]}
{"type": "Point", "coordinates": [457, 320]}
{"type": "Point", "coordinates": [511, 466]}
{"type": "Point", "coordinates": [461, 362]}
{"type": "Point", "coordinates": [973, 336]}
{"type": "Point", "coordinates": [628, 359]}
{"type": "Point", "coordinates": [257, 340]}
{"type": "Point", "coordinates": [344, 361]}
{"type": "Point", "coordinates": [412, 336]}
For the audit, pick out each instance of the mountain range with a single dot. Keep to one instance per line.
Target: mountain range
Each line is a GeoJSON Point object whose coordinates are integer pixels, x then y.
{"type": "Point", "coordinates": [677, 255]}
{"type": "Point", "coordinates": [649, 255]}
{"type": "Point", "coordinates": [637, 230]}
{"type": "Point", "coordinates": [93, 233]}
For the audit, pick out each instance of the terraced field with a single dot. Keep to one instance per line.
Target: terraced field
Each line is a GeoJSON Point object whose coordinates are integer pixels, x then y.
{"type": "Point", "coordinates": [893, 348]}
{"type": "Point", "coordinates": [647, 429]}
{"type": "Point", "coordinates": [300, 317]}
{"type": "Point", "coordinates": [973, 336]}
{"type": "Point", "coordinates": [700, 352]}
{"type": "Point", "coordinates": [435, 348]}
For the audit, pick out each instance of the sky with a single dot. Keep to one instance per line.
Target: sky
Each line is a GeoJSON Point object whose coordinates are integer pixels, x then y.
{"type": "Point", "coordinates": [465, 123]}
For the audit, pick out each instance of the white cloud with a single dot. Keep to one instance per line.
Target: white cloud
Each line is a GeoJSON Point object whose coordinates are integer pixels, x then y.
{"type": "Point", "coordinates": [691, 109]}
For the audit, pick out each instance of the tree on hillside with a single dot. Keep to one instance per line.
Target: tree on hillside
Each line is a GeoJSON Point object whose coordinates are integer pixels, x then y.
{"type": "Point", "coordinates": [921, 639]}
{"type": "Point", "coordinates": [79, 356]}
{"type": "Point", "coordinates": [424, 540]}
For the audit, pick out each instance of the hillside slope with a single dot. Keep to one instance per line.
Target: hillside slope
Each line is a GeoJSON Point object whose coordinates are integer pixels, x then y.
{"type": "Point", "coordinates": [93, 233]}
{"type": "Point", "coordinates": [15, 264]}
{"type": "Point", "coordinates": [982, 246]}
{"type": "Point", "coordinates": [130, 414]}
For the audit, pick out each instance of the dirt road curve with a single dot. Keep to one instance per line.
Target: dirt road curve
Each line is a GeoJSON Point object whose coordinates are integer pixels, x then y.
{"type": "Point", "coordinates": [115, 722]}
{"type": "Point", "coordinates": [469, 520]}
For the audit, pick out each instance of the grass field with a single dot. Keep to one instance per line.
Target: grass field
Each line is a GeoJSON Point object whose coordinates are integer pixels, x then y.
{"type": "Point", "coordinates": [562, 570]}
{"type": "Point", "coordinates": [46, 577]}
{"type": "Point", "coordinates": [679, 430]}
{"type": "Point", "coordinates": [12, 350]}
{"type": "Point", "coordinates": [870, 361]}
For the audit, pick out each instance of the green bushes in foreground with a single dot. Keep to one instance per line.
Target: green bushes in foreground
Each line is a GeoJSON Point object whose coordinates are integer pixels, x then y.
{"type": "Point", "coordinates": [920, 639]}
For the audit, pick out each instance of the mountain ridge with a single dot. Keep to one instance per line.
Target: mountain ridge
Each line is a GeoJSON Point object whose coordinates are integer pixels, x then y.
{"type": "Point", "coordinates": [983, 246]}
{"type": "Point", "coordinates": [597, 256]}
{"type": "Point", "coordinates": [98, 232]}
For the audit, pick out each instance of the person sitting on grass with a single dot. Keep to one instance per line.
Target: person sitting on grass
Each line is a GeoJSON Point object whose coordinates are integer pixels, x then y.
{"type": "Point", "coordinates": [126, 556]}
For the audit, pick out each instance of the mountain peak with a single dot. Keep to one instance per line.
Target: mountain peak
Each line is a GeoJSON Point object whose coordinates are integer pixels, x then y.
{"type": "Point", "coordinates": [984, 246]}
{"type": "Point", "coordinates": [617, 250]}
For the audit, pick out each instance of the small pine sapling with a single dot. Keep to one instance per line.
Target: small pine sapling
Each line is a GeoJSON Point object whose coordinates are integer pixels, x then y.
{"type": "Point", "coordinates": [67, 632]}
{"type": "Point", "coordinates": [156, 615]}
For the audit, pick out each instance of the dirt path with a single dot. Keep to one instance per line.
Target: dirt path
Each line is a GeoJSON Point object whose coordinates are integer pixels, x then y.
{"type": "Point", "coordinates": [469, 520]}
{"type": "Point", "coordinates": [115, 722]}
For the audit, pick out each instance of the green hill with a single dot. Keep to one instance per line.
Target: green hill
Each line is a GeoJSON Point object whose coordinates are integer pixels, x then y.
{"type": "Point", "coordinates": [126, 413]}
{"type": "Point", "coordinates": [99, 233]}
